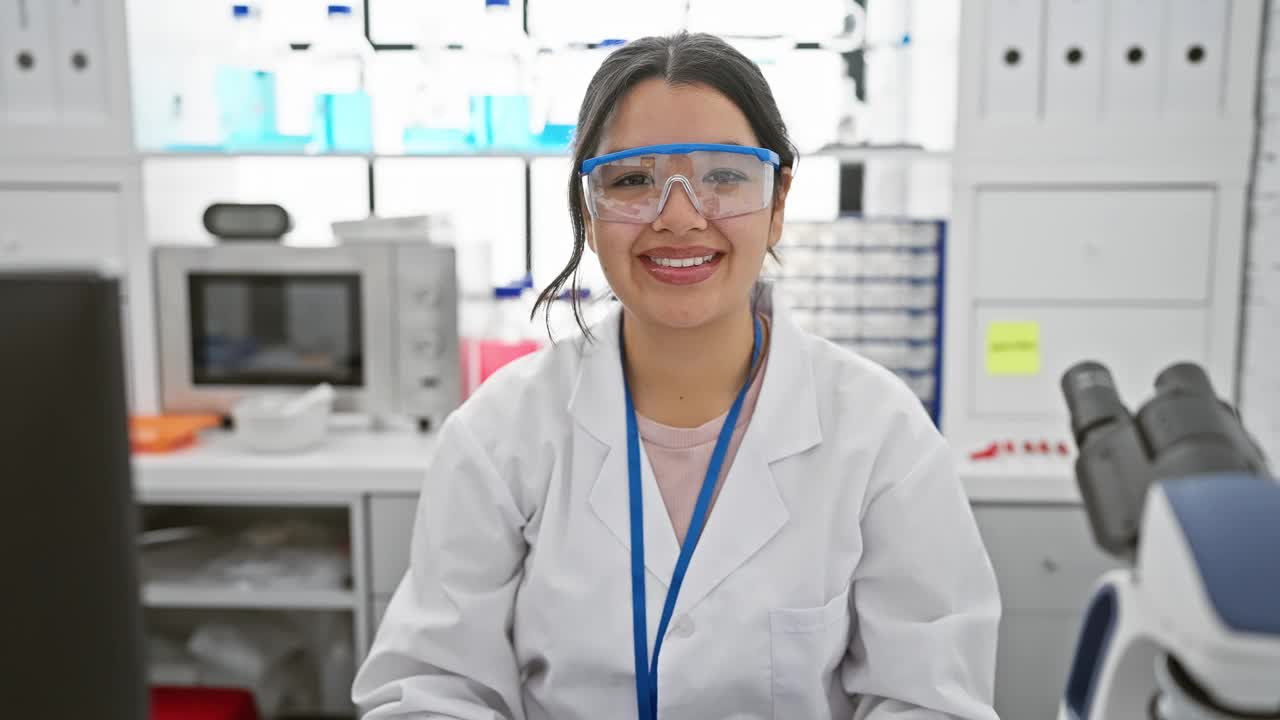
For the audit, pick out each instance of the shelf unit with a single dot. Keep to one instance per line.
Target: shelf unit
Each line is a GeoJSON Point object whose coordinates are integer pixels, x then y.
{"type": "Point", "coordinates": [845, 154]}
{"type": "Point", "coordinates": [892, 315]}
{"type": "Point", "coordinates": [175, 595]}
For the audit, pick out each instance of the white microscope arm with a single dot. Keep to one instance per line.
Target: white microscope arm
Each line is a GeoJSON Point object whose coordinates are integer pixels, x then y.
{"type": "Point", "coordinates": [1192, 639]}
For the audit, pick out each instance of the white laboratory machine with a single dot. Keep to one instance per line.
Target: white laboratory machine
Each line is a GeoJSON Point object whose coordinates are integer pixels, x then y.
{"type": "Point", "coordinates": [1191, 630]}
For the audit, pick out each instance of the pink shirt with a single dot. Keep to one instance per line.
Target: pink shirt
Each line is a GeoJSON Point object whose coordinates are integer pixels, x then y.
{"type": "Point", "coordinates": [680, 456]}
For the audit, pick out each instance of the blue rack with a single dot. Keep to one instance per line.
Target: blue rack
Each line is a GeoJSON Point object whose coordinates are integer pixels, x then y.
{"type": "Point", "coordinates": [875, 286]}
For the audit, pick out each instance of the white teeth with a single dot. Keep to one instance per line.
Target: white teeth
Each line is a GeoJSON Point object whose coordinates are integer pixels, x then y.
{"type": "Point", "coordinates": [682, 263]}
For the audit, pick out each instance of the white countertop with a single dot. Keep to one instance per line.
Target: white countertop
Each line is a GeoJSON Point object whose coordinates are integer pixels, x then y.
{"type": "Point", "coordinates": [1049, 480]}
{"type": "Point", "coordinates": [349, 461]}
{"type": "Point", "coordinates": [395, 462]}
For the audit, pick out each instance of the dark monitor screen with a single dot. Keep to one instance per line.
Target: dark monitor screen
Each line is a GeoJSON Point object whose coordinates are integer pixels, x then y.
{"type": "Point", "coordinates": [72, 626]}
{"type": "Point", "coordinates": [263, 329]}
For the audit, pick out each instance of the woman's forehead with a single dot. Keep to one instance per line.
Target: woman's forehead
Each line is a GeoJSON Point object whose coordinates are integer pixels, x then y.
{"type": "Point", "coordinates": [655, 113]}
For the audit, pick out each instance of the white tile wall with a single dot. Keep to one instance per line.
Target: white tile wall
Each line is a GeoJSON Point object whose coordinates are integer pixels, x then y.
{"type": "Point", "coordinates": [1260, 363]}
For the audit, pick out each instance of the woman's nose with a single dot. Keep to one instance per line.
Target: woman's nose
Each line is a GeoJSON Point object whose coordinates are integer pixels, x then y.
{"type": "Point", "coordinates": [679, 213]}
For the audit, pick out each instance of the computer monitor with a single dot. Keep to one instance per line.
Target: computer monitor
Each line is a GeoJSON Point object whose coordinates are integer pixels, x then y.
{"type": "Point", "coordinates": [71, 645]}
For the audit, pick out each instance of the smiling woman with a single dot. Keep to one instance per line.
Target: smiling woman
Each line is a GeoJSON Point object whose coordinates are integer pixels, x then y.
{"type": "Point", "coordinates": [694, 473]}
{"type": "Point", "coordinates": [683, 89]}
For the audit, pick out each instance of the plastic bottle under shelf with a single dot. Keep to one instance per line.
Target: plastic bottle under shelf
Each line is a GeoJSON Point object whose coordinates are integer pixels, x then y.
{"type": "Point", "coordinates": [501, 56]}
{"type": "Point", "coordinates": [564, 324]}
{"type": "Point", "coordinates": [245, 83]}
{"type": "Point", "coordinates": [510, 332]}
{"type": "Point", "coordinates": [341, 61]}
{"type": "Point", "coordinates": [563, 75]}
{"type": "Point", "coordinates": [438, 108]}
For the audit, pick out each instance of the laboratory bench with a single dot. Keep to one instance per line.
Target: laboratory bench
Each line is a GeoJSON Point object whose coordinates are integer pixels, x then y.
{"type": "Point", "coordinates": [366, 484]}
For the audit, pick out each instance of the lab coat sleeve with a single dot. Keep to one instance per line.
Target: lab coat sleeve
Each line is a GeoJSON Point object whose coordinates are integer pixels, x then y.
{"type": "Point", "coordinates": [444, 647]}
{"type": "Point", "coordinates": [925, 602]}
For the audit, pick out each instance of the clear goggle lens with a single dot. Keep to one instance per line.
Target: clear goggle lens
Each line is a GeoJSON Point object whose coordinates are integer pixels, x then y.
{"type": "Point", "coordinates": [633, 186]}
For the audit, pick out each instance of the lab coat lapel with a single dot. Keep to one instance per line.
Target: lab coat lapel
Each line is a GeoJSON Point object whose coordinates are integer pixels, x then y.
{"type": "Point", "coordinates": [750, 510]}
{"type": "Point", "coordinates": [598, 406]}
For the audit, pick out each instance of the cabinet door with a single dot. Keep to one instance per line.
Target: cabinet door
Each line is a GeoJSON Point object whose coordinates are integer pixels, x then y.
{"type": "Point", "coordinates": [1047, 566]}
{"type": "Point", "coordinates": [52, 226]}
{"type": "Point", "coordinates": [391, 519]}
{"type": "Point", "coordinates": [1103, 243]}
{"type": "Point", "coordinates": [1032, 663]}
{"type": "Point", "coordinates": [1044, 556]}
{"type": "Point", "coordinates": [377, 609]}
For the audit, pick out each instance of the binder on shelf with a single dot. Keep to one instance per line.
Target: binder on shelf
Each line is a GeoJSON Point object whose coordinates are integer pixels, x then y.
{"type": "Point", "coordinates": [893, 318]}
{"type": "Point", "coordinates": [80, 60]}
{"type": "Point", "coordinates": [1011, 60]}
{"type": "Point", "coordinates": [1195, 54]}
{"type": "Point", "coordinates": [27, 74]}
{"type": "Point", "coordinates": [1133, 57]}
{"type": "Point", "coordinates": [1073, 59]}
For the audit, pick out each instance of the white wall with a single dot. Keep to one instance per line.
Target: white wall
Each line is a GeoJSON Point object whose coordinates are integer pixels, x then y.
{"type": "Point", "coordinates": [1260, 357]}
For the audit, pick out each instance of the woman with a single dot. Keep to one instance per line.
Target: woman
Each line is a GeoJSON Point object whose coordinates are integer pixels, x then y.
{"type": "Point", "coordinates": [781, 512]}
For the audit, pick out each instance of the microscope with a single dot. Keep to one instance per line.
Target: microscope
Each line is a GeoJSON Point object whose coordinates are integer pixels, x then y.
{"type": "Point", "coordinates": [1190, 630]}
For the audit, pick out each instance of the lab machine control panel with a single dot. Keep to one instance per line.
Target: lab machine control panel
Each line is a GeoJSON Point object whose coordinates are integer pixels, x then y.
{"type": "Point", "coordinates": [428, 372]}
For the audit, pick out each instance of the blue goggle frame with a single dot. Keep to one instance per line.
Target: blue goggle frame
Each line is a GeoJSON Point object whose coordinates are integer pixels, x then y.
{"type": "Point", "coordinates": [764, 154]}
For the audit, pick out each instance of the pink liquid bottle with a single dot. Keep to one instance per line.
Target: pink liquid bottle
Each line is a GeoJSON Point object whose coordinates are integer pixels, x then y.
{"type": "Point", "coordinates": [509, 334]}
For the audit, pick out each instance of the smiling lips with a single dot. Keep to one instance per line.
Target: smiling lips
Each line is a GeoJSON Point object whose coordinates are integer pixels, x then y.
{"type": "Point", "coordinates": [681, 266]}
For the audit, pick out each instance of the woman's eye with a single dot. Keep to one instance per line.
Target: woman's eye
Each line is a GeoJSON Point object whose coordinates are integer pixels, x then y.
{"type": "Point", "coordinates": [632, 180]}
{"type": "Point", "coordinates": [723, 176]}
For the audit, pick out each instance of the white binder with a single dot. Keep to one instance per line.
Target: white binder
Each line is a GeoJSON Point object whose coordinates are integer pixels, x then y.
{"type": "Point", "coordinates": [1195, 56]}
{"type": "Point", "coordinates": [1011, 60]}
{"type": "Point", "coordinates": [1073, 59]}
{"type": "Point", "coordinates": [1135, 57]}
{"type": "Point", "coordinates": [27, 73]}
{"type": "Point", "coordinates": [83, 71]}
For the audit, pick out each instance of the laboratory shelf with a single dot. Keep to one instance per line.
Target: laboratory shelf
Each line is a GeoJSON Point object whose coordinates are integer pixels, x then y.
{"type": "Point", "coordinates": [852, 153]}
{"type": "Point", "coordinates": [500, 155]}
{"type": "Point", "coordinates": [194, 595]}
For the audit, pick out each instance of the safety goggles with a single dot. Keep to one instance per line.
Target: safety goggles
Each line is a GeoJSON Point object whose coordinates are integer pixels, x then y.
{"type": "Point", "coordinates": [632, 186]}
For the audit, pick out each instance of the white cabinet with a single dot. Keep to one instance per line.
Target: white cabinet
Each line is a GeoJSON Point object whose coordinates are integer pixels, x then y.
{"type": "Point", "coordinates": [1134, 342]}
{"type": "Point", "coordinates": [61, 225]}
{"type": "Point", "coordinates": [1134, 57]}
{"type": "Point", "coordinates": [1012, 55]}
{"type": "Point", "coordinates": [1195, 58]}
{"type": "Point", "coordinates": [378, 610]}
{"type": "Point", "coordinates": [390, 530]}
{"type": "Point", "coordinates": [1094, 243]}
{"type": "Point", "coordinates": [1073, 59]}
{"type": "Point", "coordinates": [1047, 566]}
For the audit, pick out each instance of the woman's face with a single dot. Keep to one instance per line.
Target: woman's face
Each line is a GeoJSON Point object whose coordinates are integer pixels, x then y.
{"type": "Point", "coordinates": [654, 113]}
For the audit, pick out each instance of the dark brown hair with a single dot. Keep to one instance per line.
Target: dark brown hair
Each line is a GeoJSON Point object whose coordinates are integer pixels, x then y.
{"type": "Point", "coordinates": [680, 59]}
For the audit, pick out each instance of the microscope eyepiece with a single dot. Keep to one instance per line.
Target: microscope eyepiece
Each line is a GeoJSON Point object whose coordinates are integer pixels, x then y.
{"type": "Point", "coordinates": [1092, 399]}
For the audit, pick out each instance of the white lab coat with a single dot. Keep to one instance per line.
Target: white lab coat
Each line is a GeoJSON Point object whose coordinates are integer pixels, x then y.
{"type": "Point", "coordinates": [840, 573]}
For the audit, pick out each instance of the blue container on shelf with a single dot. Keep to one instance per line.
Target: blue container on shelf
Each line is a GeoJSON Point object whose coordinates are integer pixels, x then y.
{"type": "Point", "coordinates": [500, 89]}
{"type": "Point", "coordinates": [501, 122]}
{"type": "Point", "coordinates": [343, 112]}
{"type": "Point", "coordinates": [344, 122]}
{"type": "Point", "coordinates": [244, 84]}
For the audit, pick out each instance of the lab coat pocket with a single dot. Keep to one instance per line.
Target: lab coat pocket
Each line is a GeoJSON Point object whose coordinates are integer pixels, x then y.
{"type": "Point", "coordinates": [808, 645]}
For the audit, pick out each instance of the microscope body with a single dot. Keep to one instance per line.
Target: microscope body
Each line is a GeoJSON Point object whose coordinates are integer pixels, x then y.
{"type": "Point", "coordinates": [1191, 631]}
{"type": "Point", "coordinates": [1194, 626]}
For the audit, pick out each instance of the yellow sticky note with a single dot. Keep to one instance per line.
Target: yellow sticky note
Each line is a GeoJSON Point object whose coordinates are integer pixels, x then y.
{"type": "Point", "coordinates": [1013, 348]}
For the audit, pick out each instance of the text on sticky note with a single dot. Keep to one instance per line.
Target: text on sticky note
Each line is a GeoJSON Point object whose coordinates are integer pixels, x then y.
{"type": "Point", "coordinates": [1013, 348]}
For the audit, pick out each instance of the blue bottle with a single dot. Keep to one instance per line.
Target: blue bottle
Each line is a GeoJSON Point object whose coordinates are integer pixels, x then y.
{"type": "Point", "coordinates": [343, 115]}
{"type": "Point", "coordinates": [245, 85]}
{"type": "Point", "coordinates": [500, 97]}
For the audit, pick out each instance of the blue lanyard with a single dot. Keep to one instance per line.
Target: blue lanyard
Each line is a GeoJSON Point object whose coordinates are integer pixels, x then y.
{"type": "Point", "coordinates": [646, 674]}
